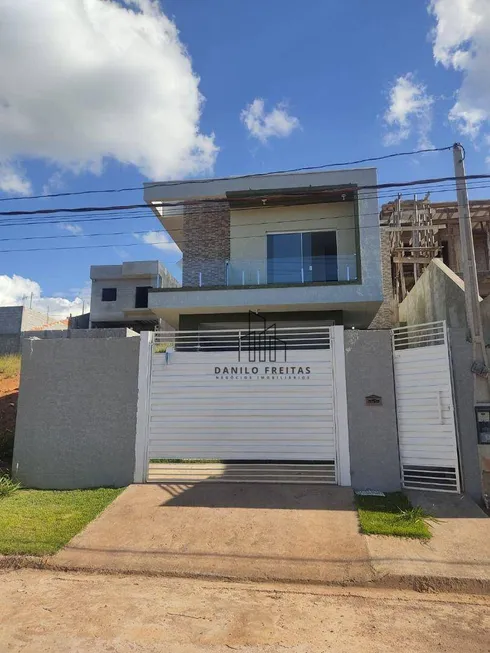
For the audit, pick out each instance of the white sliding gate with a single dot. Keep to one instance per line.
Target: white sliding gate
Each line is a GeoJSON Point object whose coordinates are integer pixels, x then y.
{"type": "Point", "coordinates": [235, 406]}
{"type": "Point", "coordinates": [425, 409]}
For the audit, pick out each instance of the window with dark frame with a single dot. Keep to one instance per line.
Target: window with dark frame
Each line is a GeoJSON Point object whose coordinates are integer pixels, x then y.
{"type": "Point", "coordinates": [109, 294]}
{"type": "Point", "coordinates": [141, 297]}
{"type": "Point", "coordinates": [301, 257]}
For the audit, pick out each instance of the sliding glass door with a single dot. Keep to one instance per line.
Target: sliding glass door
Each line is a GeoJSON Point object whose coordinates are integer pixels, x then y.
{"type": "Point", "coordinates": [284, 258]}
{"type": "Point", "coordinates": [302, 257]}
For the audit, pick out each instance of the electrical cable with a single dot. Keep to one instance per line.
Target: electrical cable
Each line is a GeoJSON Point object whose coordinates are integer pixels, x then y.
{"type": "Point", "coordinates": [149, 215]}
{"type": "Point", "coordinates": [28, 220]}
{"type": "Point", "coordinates": [248, 176]}
{"type": "Point", "coordinates": [218, 200]}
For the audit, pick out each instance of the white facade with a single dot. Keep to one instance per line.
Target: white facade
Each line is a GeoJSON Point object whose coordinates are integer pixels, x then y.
{"type": "Point", "coordinates": [357, 291]}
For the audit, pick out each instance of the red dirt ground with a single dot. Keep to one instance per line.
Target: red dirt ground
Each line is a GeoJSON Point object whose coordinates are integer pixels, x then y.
{"type": "Point", "coordinates": [9, 392]}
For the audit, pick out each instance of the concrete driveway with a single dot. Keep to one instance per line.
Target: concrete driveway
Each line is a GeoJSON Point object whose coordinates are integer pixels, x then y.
{"type": "Point", "coordinates": [242, 531]}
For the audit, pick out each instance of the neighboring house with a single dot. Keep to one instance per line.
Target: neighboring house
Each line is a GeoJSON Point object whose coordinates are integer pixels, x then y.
{"type": "Point", "coordinates": [302, 249]}
{"type": "Point", "coordinates": [416, 231]}
{"type": "Point", "coordinates": [120, 294]}
{"type": "Point", "coordinates": [17, 320]}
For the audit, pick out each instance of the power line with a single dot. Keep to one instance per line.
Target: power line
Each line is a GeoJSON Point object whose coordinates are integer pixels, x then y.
{"type": "Point", "coordinates": [358, 228]}
{"type": "Point", "coordinates": [146, 216]}
{"type": "Point", "coordinates": [217, 200]}
{"type": "Point", "coordinates": [248, 176]}
{"type": "Point", "coordinates": [8, 221]}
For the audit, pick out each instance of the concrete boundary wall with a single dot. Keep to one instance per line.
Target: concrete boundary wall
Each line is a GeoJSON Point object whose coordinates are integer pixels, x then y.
{"type": "Point", "coordinates": [76, 419]}
{"type": "Point", "coordinates": [464, 404]}
{"type": "Point", "coordinates": [114, 332]}
{"type": "Point", "coordinates": [373, 433]}
{"type": "Point", "coordinates": [76, 423]}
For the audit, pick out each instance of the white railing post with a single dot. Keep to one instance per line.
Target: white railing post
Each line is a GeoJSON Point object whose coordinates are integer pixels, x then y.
{"type": "Point", "coordinates": [200, 279]}
{"type": "Point", "coordinates": [340, 403]}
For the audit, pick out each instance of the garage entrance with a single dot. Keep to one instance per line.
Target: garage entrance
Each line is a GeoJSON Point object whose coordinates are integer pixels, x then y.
{"type": "Point", "coordinates": [263, 405]}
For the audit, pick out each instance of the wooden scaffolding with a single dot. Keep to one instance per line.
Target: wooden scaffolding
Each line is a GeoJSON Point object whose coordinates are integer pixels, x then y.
{"type": "Point", "coordinates": [420, 230]}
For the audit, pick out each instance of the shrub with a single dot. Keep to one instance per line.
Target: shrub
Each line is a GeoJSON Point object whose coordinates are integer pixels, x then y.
{"type": "Point", "coordinates": [7, 486]}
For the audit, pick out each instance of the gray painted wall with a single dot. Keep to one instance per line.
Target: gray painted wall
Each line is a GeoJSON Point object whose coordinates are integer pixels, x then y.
{"type": "Point", "coordinates": [10, 319]}
{"type": "Point", "coordinates": [9, 343]}
{"type": "Point", "coordinates": [114, 332]}
{"type": "Point", "coordinates": [461, 355]}
{"type": "Point", "coordinates": [13, 321]}
{"type": "Point", "coordinates": [76, 421]}
{"type": "Point", "coordinates": [373, 434]}
{"type": "Point", "coordinates": [437, 295]}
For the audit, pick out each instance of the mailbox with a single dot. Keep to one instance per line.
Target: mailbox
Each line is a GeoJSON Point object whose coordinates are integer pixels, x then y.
{"type": "Point", "coordinates": [483, 423]}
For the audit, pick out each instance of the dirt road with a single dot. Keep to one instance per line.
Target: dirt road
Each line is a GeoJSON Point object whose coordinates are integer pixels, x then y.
{"type": "Point", "coordinates": [43, 611]}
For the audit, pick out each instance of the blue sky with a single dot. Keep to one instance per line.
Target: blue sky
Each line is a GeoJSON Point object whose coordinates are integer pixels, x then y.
{"type": "Point", "coordinates": [336, 74]}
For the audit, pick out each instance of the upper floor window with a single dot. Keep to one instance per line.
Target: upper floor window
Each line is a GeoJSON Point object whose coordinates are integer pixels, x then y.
{"type": "Point", "coordinates": [141, 298]}
{"type": "Point", "coordinates": [302, 257]}
{"type": "Point", "coordinates": [109, 294]}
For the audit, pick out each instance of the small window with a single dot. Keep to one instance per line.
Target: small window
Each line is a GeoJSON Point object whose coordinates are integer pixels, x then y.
{"type": "Point", "coordinates": [109, 294]}
{"type": "Point", "coordinates": [141, 299]}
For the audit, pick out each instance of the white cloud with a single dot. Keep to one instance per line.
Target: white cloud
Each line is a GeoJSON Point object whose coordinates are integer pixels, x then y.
{"type": "Point", "coordinates": [17, 290]}
{"type": "Point", "coordinates": [409, 111]}
{"type": "Point", "coordinates": [262, 125]}
{"type": "Point", "coordinates": [86, 80]}
{"type": "Point", "coordinates": [55, 183]}
{"type": "Point", "coordinates": [461, 40]}
{"type": "Point", "coordinates": [12, 181]}
{"type": "Point", "coordinates": [74, 229]}
{"type": "Point", "coordinates": [160, 240]}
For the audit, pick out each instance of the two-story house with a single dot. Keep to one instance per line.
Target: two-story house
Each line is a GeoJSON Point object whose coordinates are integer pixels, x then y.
{"type": "Point", "coordinates": [301, 249]}
{"type": "Point", "coordinates": [119, 296]}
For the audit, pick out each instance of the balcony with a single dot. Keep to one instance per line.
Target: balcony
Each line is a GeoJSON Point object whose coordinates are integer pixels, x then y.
{"type": "Point", "coordinates": [283, 271]}
{"type": "Point", "coordinates": [235, 286]}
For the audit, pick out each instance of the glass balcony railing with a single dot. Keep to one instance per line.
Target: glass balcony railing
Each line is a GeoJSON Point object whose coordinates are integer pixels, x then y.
{"type": "Point", "coordinates": [262, 272]}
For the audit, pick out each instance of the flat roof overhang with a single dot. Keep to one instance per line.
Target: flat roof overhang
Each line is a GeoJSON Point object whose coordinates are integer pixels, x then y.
{"type": "Point", "coordinates": [249, 190]}
{"type": "Point", "coordinates": [170, 304]}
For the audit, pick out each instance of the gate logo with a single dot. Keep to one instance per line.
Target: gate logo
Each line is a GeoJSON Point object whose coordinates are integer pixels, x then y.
{"type": "Point", "coordinates": [262, 345]}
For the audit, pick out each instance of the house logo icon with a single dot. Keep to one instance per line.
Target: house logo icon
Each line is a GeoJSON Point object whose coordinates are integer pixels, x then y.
{"type": "Point", "coordinates": [262, 345]}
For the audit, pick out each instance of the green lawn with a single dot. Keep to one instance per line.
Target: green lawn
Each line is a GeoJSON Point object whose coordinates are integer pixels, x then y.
{"type": "Point", "coordinates": [392, 514]}
{"type": "Point", "coordinates": [39, 522]}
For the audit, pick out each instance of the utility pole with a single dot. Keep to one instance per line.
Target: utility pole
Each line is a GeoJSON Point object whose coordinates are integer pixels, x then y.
{"type": "Point", "coordinates": [470, 278]}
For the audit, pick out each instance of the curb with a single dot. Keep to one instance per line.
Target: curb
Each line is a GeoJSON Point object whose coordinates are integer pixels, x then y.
{"type": "Point", "coordinates": [422, 584]}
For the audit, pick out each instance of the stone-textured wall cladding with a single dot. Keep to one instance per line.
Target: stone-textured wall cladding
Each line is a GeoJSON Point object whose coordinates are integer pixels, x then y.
{"type": "Point", "coordinates": [206, 245]}
{"type": "Point", "coordinates": [385, 317]}
{"type": "Point", "coordinates": [373, 438]}
{"type": "Point", "coordinates": [76, 420]}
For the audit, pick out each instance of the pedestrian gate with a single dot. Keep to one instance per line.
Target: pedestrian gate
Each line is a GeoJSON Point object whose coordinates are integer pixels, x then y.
{"type": "Point", "coordinates": [425, 409]}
